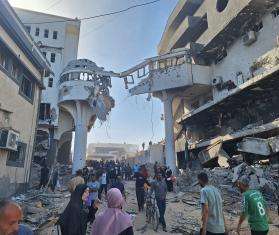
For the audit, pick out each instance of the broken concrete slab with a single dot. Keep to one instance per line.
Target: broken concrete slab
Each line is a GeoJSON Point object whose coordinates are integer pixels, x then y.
{"type": "Point", "coordinates": [255, 146]}
{"type": "Point", "coordinates": [209, 153]}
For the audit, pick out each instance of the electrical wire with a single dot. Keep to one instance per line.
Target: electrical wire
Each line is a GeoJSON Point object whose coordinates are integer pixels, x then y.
{"type": "Point", "coordinates": [95, 29]}
{"type": "Point", "coordinates": [97, 16]}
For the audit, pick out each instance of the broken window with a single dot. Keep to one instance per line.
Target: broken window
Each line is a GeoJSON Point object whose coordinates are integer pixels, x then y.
{"type": "Point", "coordinates": [52, 57]}
{"type": "Point", "coordinates": [50, 82]}
{"type": "Point", "coordinates": [46, 33]}
{"type": "Point", "coordinates": [3, 60]}
{"type": "Point", "coordinates": [17, 158]}
{"type": "Point", "coordinates": [37, 32]}
{"type": "Point", "coordinates": [28, 28]}
{"type": "Point", "coordinates": [275, 12]}
{"type": "Point", "coordinates": [257, 27]}
{"type": "Point", "coordinates": [14, 70]}
{"type": "Point", "coordinates": [55, 33]}
{"type": "Point", "coordinates": [26, 88]}
{"type": "Point", "coordinates": [44, 111]}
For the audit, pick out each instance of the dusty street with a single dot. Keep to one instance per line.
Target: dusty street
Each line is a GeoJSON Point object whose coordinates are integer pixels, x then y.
{"type": "Point", "coordinates": [183, 214]}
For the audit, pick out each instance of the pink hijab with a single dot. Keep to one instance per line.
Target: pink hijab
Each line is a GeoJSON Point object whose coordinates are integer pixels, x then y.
{"type": "Point", "coordinates": [113, 220]}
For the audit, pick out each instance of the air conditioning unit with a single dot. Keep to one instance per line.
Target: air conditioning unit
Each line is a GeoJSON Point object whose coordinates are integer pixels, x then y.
{"type": "Point", "coordinates": [249, 38]}
{"type": "Point", "coordinates": [217, 80]}
{"type": "Point", "coordinates": [8, 139]}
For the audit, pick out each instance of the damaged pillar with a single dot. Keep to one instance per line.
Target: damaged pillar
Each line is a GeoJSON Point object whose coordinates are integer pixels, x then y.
{"type": "Point", "coordinates": [80, 146]}
{"type": "Point", "coordinates": [169, 132]}
{"type": "Point", "coordinates": [53, 147]}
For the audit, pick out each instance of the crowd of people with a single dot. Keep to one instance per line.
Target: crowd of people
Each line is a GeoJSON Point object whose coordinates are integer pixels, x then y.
{"type": "Point", "coordinates": [102, 181]}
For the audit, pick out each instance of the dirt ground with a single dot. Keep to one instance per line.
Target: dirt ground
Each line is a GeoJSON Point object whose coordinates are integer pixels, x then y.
{"type": "Point", "coordinates": [181, 215]}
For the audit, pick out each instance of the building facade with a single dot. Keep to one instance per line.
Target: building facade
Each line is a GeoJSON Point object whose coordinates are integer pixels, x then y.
{"type": "Point", "coordinates": [110, 151]}
{"type": "Point", "coordinates": [154, 153]}
{"type": "Point", "coordinates": [22, 67]}
{"type": "Point", "coordinates": [216, 75]}
{"type": "Point", "coordinates": [57, 38]}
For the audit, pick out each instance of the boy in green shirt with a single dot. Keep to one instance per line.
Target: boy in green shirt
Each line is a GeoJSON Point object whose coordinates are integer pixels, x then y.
{"type": "Point", "coordinates": [253, 207]}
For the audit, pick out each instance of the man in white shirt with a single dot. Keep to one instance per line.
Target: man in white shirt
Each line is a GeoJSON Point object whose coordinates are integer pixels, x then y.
{"type": "Point", "coordinates": [213, 221]}
{"type": "Point", "coordinates": [103, 184]}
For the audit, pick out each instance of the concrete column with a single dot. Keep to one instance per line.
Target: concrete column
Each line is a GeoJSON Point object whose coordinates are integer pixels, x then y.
{"type": "Point", "coordinates": [80, 146]}
{"type": "Point", "coordinates": [52, 152]}
{"type": "Point", "coordinates": [169, 133]}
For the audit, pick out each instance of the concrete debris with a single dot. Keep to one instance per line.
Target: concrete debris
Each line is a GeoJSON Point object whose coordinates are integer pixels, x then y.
{"type": "Point", "coordinates": [41, 209]}
{"type": "Point", "coordinates": [265, 180]}
{"type": "Point", "coordinates": [262, 177]}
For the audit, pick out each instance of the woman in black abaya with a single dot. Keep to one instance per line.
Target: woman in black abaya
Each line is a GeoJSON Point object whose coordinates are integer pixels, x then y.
{"type": "Point", "coordinates": [73, 221]}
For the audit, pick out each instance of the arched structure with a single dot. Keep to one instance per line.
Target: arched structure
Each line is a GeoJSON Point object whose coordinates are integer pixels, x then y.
{"type": "Point", "coordinates": [84, 94]}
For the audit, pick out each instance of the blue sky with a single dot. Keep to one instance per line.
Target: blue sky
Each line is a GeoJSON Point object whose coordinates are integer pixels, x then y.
{"type": "Point", "coordinates": [117, 43]}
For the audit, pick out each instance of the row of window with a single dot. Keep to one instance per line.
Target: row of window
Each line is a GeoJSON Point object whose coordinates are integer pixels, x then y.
{"type": "Point", "coordinates": [46, 32]}
{"type": "Point", "coordinates": [52, 56]}
{"type": "Point", "coordinates": [13, 68]}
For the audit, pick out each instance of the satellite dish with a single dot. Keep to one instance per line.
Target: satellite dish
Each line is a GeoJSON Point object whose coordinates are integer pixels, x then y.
{"type": "Point", "coordinates": [101, 110]}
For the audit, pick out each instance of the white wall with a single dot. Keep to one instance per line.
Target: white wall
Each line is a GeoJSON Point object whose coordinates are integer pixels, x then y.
{"type": "Point", "coordinates": [241, 57]}
{"type": "Point", "coordinates": [65, 47]}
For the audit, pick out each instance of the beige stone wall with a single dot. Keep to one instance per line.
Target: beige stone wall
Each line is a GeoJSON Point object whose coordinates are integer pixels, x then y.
{"type": "Point", "coordinates": [23, 117]}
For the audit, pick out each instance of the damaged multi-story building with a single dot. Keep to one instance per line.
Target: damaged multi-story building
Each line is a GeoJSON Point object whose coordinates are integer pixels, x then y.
{"type": "Point", "coordinates": [75, 95]}
{"type": "Point", "coordinates": [57, 38]}
{"type": "Point", "coordinates": [217, 75]}
{"type": "Point", "coordinates": [22, 68]}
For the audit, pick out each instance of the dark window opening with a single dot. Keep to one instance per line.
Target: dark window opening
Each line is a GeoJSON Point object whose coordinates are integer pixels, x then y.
{"type": "Point", "coordinates": [44, 53]}
{"type": "Point", "coordinates": [28, 28]}
{"type": "Point", "coordinates": [44, 111]}
{"type": "Point", "coordinates": [52, 57]}
{"type": "Point", "coordinates": [14, 70]}
{"type": "Point", "coordinates": [195, 104]}
{"type": "Point", "coordinates": [221, 54]}
{"type": "Point", "coordinates": [50, 82]}
{"type": "Point", "coordinates": [46, 33]}
{"type": "Point", "coordinates": [221, 5]}
{"type": "Point", "coordinates": [26, 87]}
{"type": "Point", "coordinates": [37, 32]}
{"type": "Point", "coordinates": [3, 60]}
{"type": "Point", "coordinates": [55, 33]}
{"type": "Point", "coordinates": [275, 12]}
{"type": "Point", "coordinates": [258, 27]}
{"type": "Point", "coordinates": [17, 158]}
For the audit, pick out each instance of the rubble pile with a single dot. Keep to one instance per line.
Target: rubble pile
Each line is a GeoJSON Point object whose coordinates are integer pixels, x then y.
{"type": "Point", "coordinates": [184, 224]}
{"type": "Point", "coordinates": [41, 208]}
{"type": "Point", "coordinates": [263, 178]}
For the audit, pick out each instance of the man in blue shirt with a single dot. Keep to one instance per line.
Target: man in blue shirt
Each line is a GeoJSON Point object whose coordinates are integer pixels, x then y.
{"type": "Point", "coordinates": [10, 216]}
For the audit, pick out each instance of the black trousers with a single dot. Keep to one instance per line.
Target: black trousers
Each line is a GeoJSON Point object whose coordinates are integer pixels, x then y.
{"type": "Point", "coordinates": [102, 187]}
{"type": "Point", "coordinates": [169, 185]}
{"type": "Point", "coordinates": [92, 212]}
{"type": "Point", "coordinates": [162, 209]}
{"type": "Point", "coordinates": [140, 198]}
